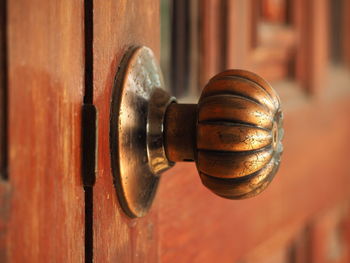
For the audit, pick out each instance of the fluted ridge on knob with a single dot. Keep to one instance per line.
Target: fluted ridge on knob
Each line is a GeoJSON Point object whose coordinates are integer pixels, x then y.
{"type": "Point", "coordinates": [239, 132]}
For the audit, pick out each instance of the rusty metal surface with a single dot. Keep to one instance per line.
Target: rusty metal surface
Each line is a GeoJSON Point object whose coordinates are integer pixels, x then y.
{"type": "Point", "coordinates": [136, 130]}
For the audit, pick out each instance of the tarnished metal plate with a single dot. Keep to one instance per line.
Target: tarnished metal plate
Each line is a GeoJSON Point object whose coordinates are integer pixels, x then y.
{"type": "Point", "coordinates": [136, 130]}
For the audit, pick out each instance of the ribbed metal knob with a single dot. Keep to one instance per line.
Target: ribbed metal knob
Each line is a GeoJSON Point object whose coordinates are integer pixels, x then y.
{"type": "Point", "coordinates": [233, 134]}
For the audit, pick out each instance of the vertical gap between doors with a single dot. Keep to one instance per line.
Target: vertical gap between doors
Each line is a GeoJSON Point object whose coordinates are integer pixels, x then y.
{"type": "Point", "coordinates": [88, 131]}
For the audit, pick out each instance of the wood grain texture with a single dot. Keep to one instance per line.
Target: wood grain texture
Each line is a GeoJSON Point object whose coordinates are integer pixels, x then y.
{"type": "Point", "coordinates": [46, 73]}
{"type": "Point", "coordinates": [117, 26]}
{"type": "Point", "coordinates": [312, 178]}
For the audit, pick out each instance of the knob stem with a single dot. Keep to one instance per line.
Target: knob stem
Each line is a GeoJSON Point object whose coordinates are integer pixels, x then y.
{"type": "Point", "coordinates": [180, 132]}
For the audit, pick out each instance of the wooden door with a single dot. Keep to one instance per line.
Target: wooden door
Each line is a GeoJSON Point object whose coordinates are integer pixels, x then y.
{"type": "Point", "coordinates": [303, 216]}
{"type": "Point", "coordinates": [57, 198]}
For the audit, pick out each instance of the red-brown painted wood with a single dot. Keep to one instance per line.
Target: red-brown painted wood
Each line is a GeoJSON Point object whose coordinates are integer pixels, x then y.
{"type": "Point", "coordinates": [239, 36]}
{"type": "Point", "coordinates": [117, 26]}
{"type": "Point", "coordinates": [211, 37]}
{"type": "Point", "coordinates": [46, 72]}
{"type": "Point", "coordinates": [312, 23]}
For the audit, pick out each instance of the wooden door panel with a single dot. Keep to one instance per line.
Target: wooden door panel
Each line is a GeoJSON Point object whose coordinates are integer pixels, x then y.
{"type": "Point", "coordinates": [189, 224]}
{"type": "Point", "coordinates": [45, 197]}
{"type": "Point", "coordinates": [117, 26]}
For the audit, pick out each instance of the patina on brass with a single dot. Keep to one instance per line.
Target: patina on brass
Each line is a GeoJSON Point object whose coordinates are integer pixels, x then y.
{"type": "Point", "coordinates": [136, 130]}
{"type": "Point", "coordinates": [233, 134]}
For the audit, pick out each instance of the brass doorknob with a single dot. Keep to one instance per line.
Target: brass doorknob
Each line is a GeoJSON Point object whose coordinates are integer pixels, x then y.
{"type": "Point", "coordinates": [233, 134]}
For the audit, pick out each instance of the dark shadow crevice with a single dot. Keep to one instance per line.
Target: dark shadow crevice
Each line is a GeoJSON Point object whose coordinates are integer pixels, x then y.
{"type": "Point", "coordinates": [3, 91]}
{"type": "Point", "coordinates": [88, 131]}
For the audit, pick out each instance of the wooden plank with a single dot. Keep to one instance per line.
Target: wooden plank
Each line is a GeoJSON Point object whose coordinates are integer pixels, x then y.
{"type": "Point", "coordinates": [197, 226]}
{"type": "Point", "coordinates": [212, 39]}
{"type": "Point", "coordinates": [312, 22]}
{"type": "Point", "coordinates": [239, 33]}
{"type": "Point", "coordinates": [117, 26]}
{"type": "Point", "coordinates": [46, 81]}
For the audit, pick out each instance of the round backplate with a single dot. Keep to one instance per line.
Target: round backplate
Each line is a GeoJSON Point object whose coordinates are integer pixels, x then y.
{"type": "Point", "coordinates": [136, 125]}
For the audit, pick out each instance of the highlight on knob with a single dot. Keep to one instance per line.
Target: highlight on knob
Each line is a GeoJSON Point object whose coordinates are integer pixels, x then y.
{"type": "Point", "coordinates": [239, 133]}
